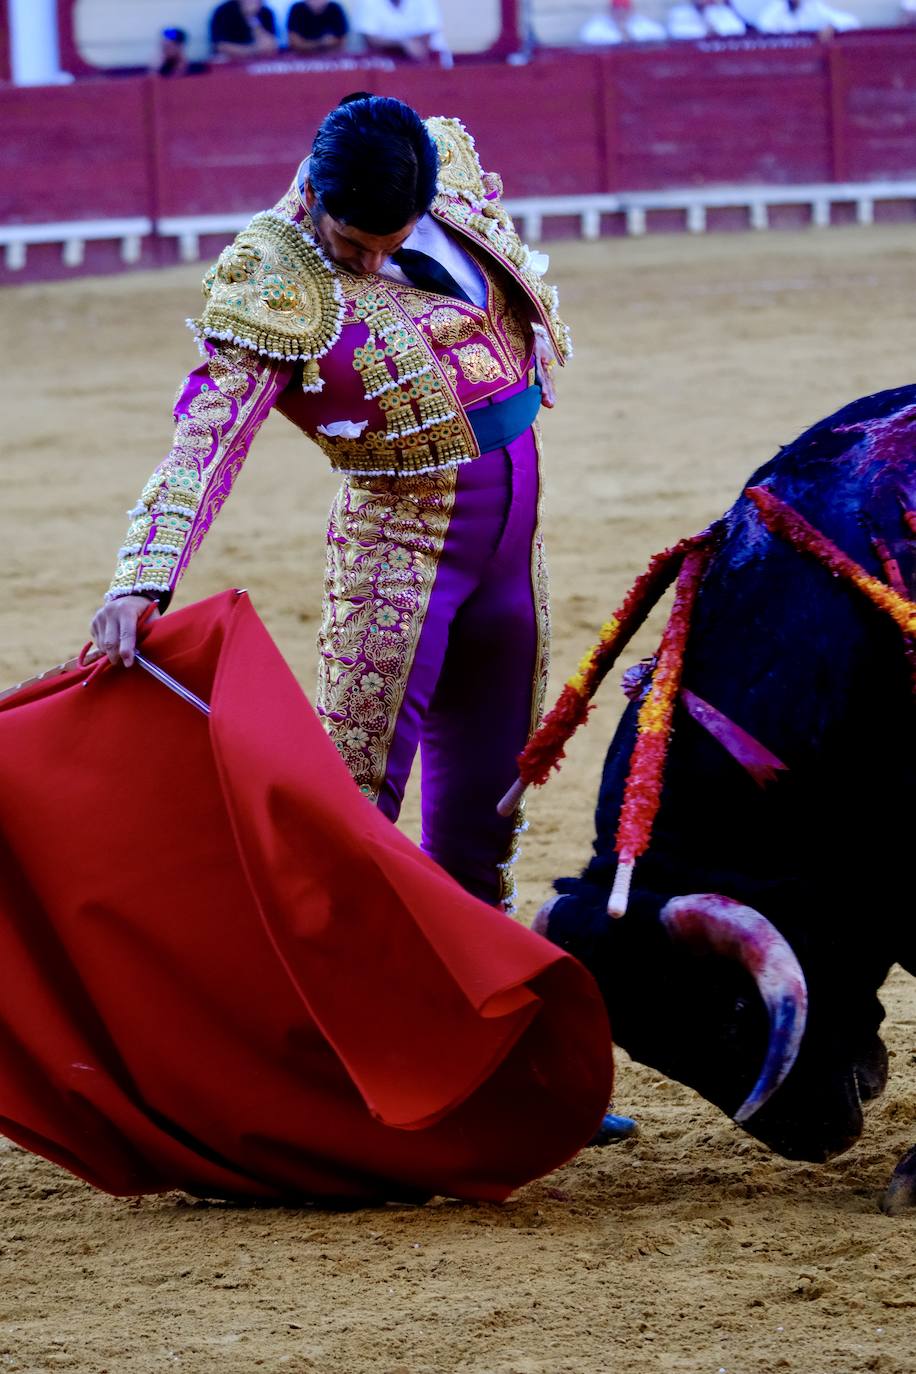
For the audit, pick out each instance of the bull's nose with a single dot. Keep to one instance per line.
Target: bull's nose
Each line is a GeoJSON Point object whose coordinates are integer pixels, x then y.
{"type": "Point", "coordinates": [541, 921]}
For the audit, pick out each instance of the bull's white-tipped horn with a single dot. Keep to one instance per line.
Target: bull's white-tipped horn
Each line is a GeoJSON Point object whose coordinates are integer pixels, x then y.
{"type": "Point", "coordinates": [743, 934]}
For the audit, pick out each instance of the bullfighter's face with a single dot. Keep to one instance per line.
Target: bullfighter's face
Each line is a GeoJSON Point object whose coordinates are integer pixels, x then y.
{"type": "Point", "coordinates": [353, 249]}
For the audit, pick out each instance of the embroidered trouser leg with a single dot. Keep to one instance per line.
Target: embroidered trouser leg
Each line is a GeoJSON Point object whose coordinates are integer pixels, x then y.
{"type": "Point", "coordinates": [488, 695]}
{"type": "Point", "coordinates": [435, 634]}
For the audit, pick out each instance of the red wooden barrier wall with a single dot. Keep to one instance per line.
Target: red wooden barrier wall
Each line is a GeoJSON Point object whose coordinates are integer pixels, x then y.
{"type": "Point", "coordinates": [74, 152]}
{"type": "Point", "coordinates": [875, 94]}
{"type": "Point", "coordinates": [749, 111]}
{"type": "Point", "coordinates": [232, 141]}
{"type": "Point", "coordinates": [5, 54]}
{"type": "Point", "coordinates": [742, 113]}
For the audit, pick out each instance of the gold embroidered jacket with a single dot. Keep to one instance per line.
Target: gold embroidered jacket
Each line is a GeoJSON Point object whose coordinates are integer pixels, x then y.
{"type": "Point", "coordinates": [379, 374]}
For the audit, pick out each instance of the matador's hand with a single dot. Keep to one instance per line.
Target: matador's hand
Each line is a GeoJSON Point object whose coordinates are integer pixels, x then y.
{"type": "Point", "coordinates": [114, 627]}
{"type": "Point", "coordinates": [545, 361]}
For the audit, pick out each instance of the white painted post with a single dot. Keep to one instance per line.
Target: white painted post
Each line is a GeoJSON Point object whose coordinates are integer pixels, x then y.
{"type": "Point", "coordinates": [696, 219]}
{"type": "Point", "coordinates": [636, 220]}
{"type": "Point", "coordinates": [591, 224]}
{"type": "Point", "coordinates": [15, 255]}
{"type": "Point", "coordinates": [532, 224]}
{"type": "Point", "coordinates": [73, 252]}
{"type": "Point", "coordinates": [131, 248]}
{"type": "Point", "coordinates": [188, 247]}
{"type": "Point", "coordinates": [760, 218]}
{"type": "Point", "coordinates": [820, 214]}
{"type": "Point", "coordinates": [865, 211]}
{"type": "Point", "coordinates": [34, 46]}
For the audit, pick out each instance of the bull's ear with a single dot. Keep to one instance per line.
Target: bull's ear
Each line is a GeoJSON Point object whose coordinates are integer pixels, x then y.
{"type": "Point", "coordinates": [709, 921]}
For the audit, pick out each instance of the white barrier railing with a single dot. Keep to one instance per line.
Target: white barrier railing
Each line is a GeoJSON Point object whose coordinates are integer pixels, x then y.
{"type": "Point", "coordinates": [73, 235]}
{"type": "Point", "coordinates": [530, 213]}
{"type": "Point", "coordinates": [190, 229]}
{"type": "Point", "coordinates": [694, 202]}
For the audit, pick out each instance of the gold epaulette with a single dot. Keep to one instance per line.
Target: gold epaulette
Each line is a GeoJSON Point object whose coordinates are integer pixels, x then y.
{"type": "Point", "coordinates": [460, 172]}
{"type": "Point", "coordinates": [273, 291]}
{"type": "Point", "coordinates": [470, 198]}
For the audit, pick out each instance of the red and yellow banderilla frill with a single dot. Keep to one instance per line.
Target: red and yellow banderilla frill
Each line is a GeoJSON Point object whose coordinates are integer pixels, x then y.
{"type": "Point", "coordinates": [687, 560]}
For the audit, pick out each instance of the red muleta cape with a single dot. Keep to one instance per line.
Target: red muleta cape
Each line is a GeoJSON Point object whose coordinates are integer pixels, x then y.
{"type": "Point", "coordinates": [224, 971]}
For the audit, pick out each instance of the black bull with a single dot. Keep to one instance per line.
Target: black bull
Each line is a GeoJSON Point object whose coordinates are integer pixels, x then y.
{"type": "Point", "coordinates": [809, 667]}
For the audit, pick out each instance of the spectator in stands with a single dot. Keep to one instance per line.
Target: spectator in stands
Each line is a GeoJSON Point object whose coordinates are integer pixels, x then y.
{"type": "Point", "coordinates": [705, 19]}
{"type": "Point", "coordinates": [173, 55]}
{"type": "Point", "coordinates": [404, 28]}
{"type": "Point", "coordinates": [619, 22]}
{"type": "Point", "coordinates": [243, 29]}
{"type": "Point", "coordinates": [803, 16]}
{"type": "Point", "coordinates": [316, 25]}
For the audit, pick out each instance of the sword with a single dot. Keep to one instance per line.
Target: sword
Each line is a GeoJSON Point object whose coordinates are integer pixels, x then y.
{"type": "Point", "coordinates": [145, 663]}
{"type": "Point", "coordinates": [172, 683]}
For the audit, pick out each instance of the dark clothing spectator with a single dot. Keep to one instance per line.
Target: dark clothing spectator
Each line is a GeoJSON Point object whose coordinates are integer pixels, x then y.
{"type": "Point", "coordinates": [173, 55]}
{"type": "Point", "coordinates": [316, 24]}
{"type": "Point", "coordinates": [241, 29]}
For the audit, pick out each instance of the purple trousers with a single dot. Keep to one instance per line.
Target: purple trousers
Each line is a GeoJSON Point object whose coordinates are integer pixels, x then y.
{"type": "Point", "coordinates": [435, 637]}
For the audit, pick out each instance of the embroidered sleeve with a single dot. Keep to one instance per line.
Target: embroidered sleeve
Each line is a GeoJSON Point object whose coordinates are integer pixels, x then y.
{"type": "Point", "coordinates": [218, 411]}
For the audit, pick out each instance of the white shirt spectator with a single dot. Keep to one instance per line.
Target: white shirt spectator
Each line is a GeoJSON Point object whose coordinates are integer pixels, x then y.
{"type": "Point", "coordinates": [600, 30]}
{"type": "Point", "coordinates": [397, 24]}
{"type": "Point", "coordinates": [699, 21]}
{"type": "Point", "coordinates": [686, 21]}
{"type": "Point", "coordinates": [618, 23]}
{"type": "Point", "coordinates": [723, 21]}
{"type": "Point", "coordinates": [643, 30]}
{"type": "Point", "coordinates": [806, 16]}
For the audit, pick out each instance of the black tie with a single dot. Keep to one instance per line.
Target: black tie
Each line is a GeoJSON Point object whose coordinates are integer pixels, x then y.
{"type": "Point", "coordinates": [428, 274]}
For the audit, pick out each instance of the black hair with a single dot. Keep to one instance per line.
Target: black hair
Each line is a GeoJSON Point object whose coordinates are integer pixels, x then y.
{"type": "Point", "coordinates": [175, 35]}
{"type": "Point", "coordinates": [373, 164]}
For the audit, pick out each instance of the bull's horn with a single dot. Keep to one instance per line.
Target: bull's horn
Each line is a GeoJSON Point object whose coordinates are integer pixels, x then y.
{"type": "Point", "coordinates": [741, 933]}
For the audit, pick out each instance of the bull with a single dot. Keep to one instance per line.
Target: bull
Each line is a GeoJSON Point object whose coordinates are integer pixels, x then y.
{"type": "Point", "coordinates": [770, 904]}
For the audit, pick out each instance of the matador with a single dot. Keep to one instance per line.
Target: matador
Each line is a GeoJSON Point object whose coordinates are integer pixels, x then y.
{"type": "Point", "coordinates": [388, 308]}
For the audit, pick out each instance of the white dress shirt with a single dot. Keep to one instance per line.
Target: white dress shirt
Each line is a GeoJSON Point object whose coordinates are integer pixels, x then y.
{"type": "Point", "coordinates": [429, 237]}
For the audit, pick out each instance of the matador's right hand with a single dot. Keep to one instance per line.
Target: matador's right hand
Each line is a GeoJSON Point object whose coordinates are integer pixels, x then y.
{"type": "Point", "coordinates": [114, 627]}
{"type": "Point", "coordinates": [544, 362]}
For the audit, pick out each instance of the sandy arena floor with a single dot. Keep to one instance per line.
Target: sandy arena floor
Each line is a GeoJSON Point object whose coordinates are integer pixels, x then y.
{"type": "Point", "coordinates": [688, 1250]}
